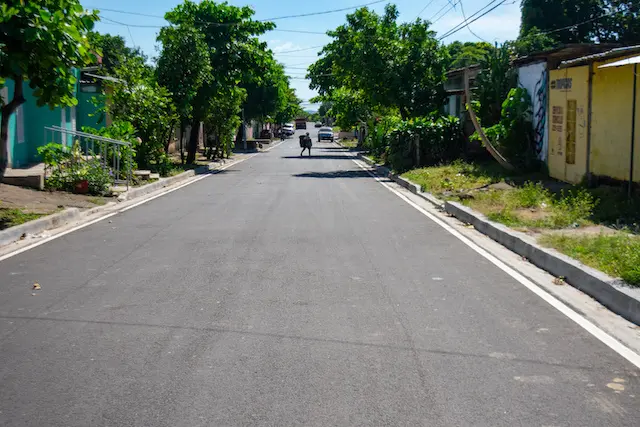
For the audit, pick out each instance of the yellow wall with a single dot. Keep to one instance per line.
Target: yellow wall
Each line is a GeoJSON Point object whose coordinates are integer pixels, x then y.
{"type": "Point", "coordinates": [611, 121]}
{"type": "Point", "coordinates": [636, 162]}
{"type": "Point", "coordinates": [567, 85]}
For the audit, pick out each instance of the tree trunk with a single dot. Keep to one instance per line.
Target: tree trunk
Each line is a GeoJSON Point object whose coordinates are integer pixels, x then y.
{"type": "Point", "coordinates": [192, 150]}
{"type": "Point", "coordinates": [183, 128]}
{"type": "Point", "coordinates": [7, 111]}
{"type": "Point", "coordinates": [472, 114]}
{"type": "Point", "coordinates": [168, 143]}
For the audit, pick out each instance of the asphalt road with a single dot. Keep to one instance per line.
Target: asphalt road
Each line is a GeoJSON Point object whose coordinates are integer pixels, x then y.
{"type": "Point", "coordinates": [290, 291]}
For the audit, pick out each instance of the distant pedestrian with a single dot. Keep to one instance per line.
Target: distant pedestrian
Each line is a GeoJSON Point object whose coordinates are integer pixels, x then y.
{"type": "Point", "coordinates": [305, 143]}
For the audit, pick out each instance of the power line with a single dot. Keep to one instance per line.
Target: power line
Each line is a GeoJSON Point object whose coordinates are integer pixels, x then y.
{"type": "Point", "coordinates": [438, 13]}
{"type": "Point", "coordinates": [468, 27]}
{"type": "Point", "coordinates": [299, 50]}
{"type": "Point", "coordinates": [466, 22]}
{"type": "Point", "coordinates": [585, 22]}
{"type": "Point", "coordinates": [277, 18]}
{"type": "Point", "coordinates": [326, 12]}
{"type": "Point", "coordinates": [424, 8]}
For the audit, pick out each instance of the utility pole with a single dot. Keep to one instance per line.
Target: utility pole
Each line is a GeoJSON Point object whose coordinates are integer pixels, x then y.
{"type": "Point", "coordinates": [244, 132]}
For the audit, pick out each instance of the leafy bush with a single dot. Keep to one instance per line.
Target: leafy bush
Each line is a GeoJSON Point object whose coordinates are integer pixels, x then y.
{"type": "Point", "coordinates": [440, 140]}
{"type": "Point", "coordinates": [513, 135]}
{"type": "Point", "coordinates": [120, 131]}
{"type": "Point", "coordinates": [67, 168]}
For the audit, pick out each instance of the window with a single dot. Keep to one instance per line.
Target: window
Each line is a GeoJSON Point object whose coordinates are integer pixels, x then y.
{"type": "Point", "coordinates": [570, 151]}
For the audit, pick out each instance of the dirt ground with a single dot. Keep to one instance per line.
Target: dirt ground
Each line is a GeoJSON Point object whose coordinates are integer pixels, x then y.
{"type": "Point", "coordinates": [44, 202]}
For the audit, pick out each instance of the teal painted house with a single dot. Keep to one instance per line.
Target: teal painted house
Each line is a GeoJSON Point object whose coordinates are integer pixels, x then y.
{"type": "Point", "coordinates": [27, 124]}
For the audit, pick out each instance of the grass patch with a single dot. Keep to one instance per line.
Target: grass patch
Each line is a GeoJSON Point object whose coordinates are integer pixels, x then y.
{"type": "Point", "coordinates": [532, 205]}
{"type": "Point", "coordinates": [457, 176]}
{"type": "Point", "coordinates": [13, 217]}
{"type": "Point", "coordinates": [617, 255]}
{"type": "Point", "coordinates": [352, 143]}
{"type": "Point", "coordinates": [99, 201]}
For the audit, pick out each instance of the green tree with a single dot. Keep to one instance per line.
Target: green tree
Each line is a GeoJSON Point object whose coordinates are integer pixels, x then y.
{"type": "Point", "coordinates": [112, 49]}
{"type": "Point", "coordinates": [466, 54]}
{"type": "Point", "coordinates": [559, 18]}
{"type": "Point", "coordinates": [623, 23]}
{"type": "Point", "coordinates": [493, 84]}
{"type": "Point", "coordinates": [137, 98]}
{"type": "Point", "coordinates": [183, 68]}
{"type": "Point", "coordinates": [231, 37]}
{"type": "Point", "coordinates": [41, 41]}
{"type": "Point", "coordinates": [393, 65]}
{"type": "Point", "coordinates": [533, 41]}
{"type": "Point", "coordinates": [290, 109]}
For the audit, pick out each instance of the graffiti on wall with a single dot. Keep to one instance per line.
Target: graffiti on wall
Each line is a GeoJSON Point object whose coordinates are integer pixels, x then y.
{"type": "Point", "coordinates": [540, 113]}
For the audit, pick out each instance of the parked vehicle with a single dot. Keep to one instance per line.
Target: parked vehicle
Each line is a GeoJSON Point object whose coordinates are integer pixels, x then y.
{"type": "Point", "coordinates": [289, 129]}
{"type": "Point", "coordinates": [325, 133]}
{"type": "Point", "coordinates": [301, 123]}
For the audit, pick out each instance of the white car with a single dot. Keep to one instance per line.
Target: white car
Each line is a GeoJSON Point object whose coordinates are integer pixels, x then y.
{"type": "Point", "coordinates": [289, 129]}
{"type": "Point", "coordinates": [325, 133]}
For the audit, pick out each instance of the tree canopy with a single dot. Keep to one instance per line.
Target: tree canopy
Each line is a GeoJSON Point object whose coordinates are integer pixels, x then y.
{"type": "Point", "coordinates": [41, 42]}
{"type": "Point", "coordinates": [390, 65]}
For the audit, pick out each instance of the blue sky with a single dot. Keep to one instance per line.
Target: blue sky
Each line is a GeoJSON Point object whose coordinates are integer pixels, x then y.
{"type": "Point", "coordinates": [499, 25]}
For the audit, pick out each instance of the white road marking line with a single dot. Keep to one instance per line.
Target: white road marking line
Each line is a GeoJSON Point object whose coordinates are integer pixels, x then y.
{"type": "Point", "coordinates": [594, 330]}
{"type": "Point", "coordinates": [102, 218]}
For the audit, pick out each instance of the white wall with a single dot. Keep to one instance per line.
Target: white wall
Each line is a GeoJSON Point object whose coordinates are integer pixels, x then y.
{"type": "Point", "coordinates": [534, 78]}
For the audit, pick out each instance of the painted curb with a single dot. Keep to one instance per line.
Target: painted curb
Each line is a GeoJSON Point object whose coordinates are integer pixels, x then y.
{"type": "Point", "coordinates": [622, 300]}
{"type": "Point", "coordinates": [411, 186]}
{"type": "Point", "coordinates": [39, 225]}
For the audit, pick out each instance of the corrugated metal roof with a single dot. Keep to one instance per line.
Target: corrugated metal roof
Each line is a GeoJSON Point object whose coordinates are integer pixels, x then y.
{"type": "Point", "coordinates": [622, 62]}
{"type": "Point", "coordinates": [613, 53]}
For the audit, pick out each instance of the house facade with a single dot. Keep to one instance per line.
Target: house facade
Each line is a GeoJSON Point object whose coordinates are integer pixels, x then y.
{"type": "Point", "coordinates": [595, 113]}
{"type": "Point", "coordinates": [27, 124]}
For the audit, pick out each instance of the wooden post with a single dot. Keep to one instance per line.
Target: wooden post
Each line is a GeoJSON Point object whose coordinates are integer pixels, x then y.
{"type": "Point", "coordinates": [490, 148]}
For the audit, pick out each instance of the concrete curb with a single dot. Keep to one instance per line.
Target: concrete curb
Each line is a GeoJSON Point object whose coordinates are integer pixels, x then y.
{"type": "Point", "coordinates": [39, 225]}
{"type": "Point", "coordinates": [617, 297]}
{"type": "Point", "coordinates": [166, 182]}
{"type": "Point", "coordinates": [411, 186]}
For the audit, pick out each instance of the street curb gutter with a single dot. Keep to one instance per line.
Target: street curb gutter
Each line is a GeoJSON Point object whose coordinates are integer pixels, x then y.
{"type": "Point", "coordinates": [166, 182]}
{"type": "Point", "coordinates": [622, 300]}
{"type": "Point", "coordinates": [39, 225]}
{"type": "Point", "coordinates": [13, 234]}
{"type": "Point", "coordinates": [606, 290]}
{"type": "Point", "coordinates": [413, 187]}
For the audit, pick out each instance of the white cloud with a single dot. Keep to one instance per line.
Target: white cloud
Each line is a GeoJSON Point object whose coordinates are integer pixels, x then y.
{"type": "Point", "coordinates": [284, 47]}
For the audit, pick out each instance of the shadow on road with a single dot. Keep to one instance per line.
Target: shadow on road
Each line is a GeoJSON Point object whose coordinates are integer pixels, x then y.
{"type": "Point", "coordinates": [335, 174]}
{"type": "Point", "coordinates": [319, 157]}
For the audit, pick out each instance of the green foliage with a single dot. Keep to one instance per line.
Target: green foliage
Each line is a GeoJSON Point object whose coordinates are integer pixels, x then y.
{"type": "Point", "coordinates": [126, 155]}
{"type": "Point", "coordinates": [440, 140]}
{"type": "Point", "coordinates": [494, 83]}
{"type": "Point", "coordinates": [390, 65]}
{"type": "Point", "coordinates": [141, 101]}
{"type": "Point", "coordinates": [112, 50]}
{"type": "Point", "coordinates": [183, 66]}
{"type": "Point", "coordinates": [513, 135]}
{"type": "Point", "coordinates": [600, 21]}
{"type": "Point", "coordinates": [531, 42]}
{"type": "Point", "coordinates": [12, 217]}
{"type": "Point", "coordinates": [617, 255]}
{"type": "Point", "coordinates": [67, 168]}
{"type": "Point", "coordinates": [467, 54]}
{"type": "Point", "coordinates": [41, 41]}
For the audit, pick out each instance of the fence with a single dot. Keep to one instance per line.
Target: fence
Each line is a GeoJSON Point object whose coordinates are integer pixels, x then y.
{"type": "Point", "coordinates": [114, 156]}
